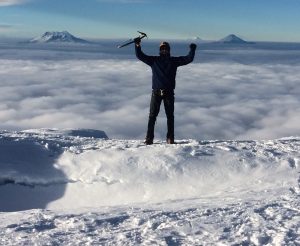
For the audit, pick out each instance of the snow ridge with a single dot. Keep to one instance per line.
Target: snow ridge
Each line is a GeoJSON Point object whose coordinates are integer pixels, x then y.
{"type": "Point", "coordinates": [134, 171]}
{"type": "Point", "coordinates": [121, 192]}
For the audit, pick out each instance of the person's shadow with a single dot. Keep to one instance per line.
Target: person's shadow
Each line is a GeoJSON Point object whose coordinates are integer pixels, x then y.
{"type": "Point", "coordinates": [28, 177]}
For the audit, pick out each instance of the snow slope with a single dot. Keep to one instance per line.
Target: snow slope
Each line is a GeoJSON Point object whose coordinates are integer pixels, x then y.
{"type": "Point", "coordinates": [70, 187]}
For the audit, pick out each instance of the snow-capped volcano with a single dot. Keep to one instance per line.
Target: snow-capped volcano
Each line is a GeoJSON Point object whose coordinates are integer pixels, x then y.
{"type": "Point", "coordinates": [197, 39]}
{"type": "Point", "coordinates": [57, 37]}
{"type": "Point", "coordinates": [233, 39]}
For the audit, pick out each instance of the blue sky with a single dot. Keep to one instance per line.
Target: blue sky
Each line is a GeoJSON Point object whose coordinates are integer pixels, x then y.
{"type": "Point", "coordinates": [257, 20]}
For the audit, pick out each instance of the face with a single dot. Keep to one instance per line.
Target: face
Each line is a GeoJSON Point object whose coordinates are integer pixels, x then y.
{"type": "Point", "coordinates": [164, 50]}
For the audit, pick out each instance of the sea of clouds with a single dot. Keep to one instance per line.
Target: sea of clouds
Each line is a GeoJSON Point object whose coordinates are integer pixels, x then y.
{"type": "Point", "coordinates": [224, 94]}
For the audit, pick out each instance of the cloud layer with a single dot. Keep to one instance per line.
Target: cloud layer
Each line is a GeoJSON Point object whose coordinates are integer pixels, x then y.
{"type": "Point", "coordinates": [11, 2]}
{"type": "Point", "coordinates": [122, 1]}
{"type": "Point", "coordinates": [214, 100]}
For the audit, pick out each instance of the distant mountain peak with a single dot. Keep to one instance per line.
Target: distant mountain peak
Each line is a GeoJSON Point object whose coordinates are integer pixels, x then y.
{"type": "Point", "coordinates": [197, 38]}
{"type": "Point", "coordinates": [233, 39]}
{"type": "Point", "coordinates": [57, 37]}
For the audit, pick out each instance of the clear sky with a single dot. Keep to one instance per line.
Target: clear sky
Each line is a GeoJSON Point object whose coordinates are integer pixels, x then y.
{"type": "Point", "coordinates": [256, 20]}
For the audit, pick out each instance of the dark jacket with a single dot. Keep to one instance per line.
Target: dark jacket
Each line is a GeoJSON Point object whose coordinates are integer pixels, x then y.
{"type": "Point", "coordinates": [164, 68]}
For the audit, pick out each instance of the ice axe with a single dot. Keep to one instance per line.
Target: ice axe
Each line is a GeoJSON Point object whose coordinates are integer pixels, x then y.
{"type": "Point", "coordinates": [132, 40]}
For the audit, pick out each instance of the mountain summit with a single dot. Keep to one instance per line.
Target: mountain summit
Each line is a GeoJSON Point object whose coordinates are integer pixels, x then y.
{"type": "Point", "coordinates": [233, 39]}
{"type": "Point", "coordinates": [57, 37]}
{"type": "Point", "coordinates": [76, 186]}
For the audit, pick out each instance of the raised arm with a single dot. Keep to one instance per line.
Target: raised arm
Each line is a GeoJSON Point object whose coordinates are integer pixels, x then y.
{"type": "Point", "coordinates": [141, 55]}
{"type": "Point", "coordinates": [184, 60]}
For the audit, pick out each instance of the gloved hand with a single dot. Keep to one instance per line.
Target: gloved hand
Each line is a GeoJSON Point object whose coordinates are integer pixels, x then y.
{"type": "Point", "coordinates": [193, 46]}
{"type": "Point", "coordinates": [137, 41]}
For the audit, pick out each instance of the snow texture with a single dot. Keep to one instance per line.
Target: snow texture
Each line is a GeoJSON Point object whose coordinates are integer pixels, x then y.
{"type": "Point", "coordinates": [83, 188]}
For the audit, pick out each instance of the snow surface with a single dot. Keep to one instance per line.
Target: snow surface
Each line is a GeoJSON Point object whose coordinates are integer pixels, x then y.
{"type": "Point", "coordinates": [77, 187]}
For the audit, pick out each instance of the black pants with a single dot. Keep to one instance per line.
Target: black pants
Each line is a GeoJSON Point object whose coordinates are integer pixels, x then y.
{"type": "Point", "coordinates": [157, 97]}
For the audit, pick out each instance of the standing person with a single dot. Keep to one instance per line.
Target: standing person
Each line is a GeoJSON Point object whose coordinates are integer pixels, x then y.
{"type": "Point", "coordinates": [164, 69]}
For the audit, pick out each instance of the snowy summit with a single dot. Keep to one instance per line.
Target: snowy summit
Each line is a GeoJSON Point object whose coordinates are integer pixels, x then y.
{"type": "Point", "coordinates": [197, 39]}
{"type": "Point", "coordinates": [57, 37]}
{"type": "Point", "coordinates": [77, 187]}
{"type": "Point", "coordinates": [233, 39]}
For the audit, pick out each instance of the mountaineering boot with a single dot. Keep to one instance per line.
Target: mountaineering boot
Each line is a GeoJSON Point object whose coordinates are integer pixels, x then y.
{"type": "Point", "coordinates": [170, 141]}
{"type": "Point", "coordinates": [148, 141]}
